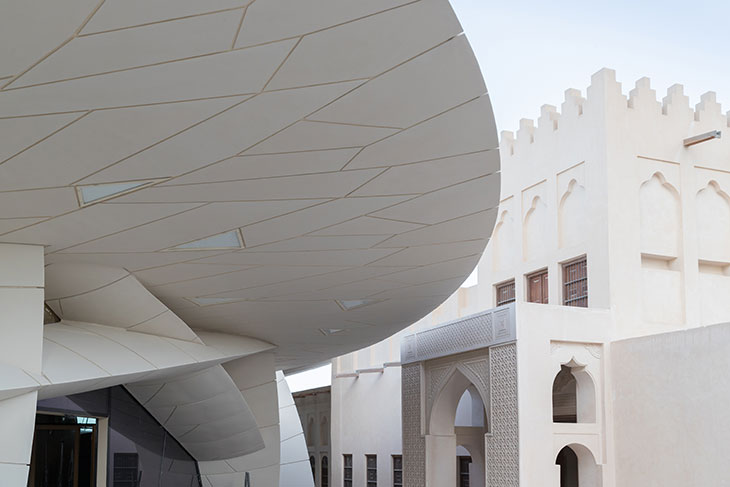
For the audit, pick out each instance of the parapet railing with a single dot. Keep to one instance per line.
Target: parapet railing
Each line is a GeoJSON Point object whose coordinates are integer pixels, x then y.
{"type": "Point", "coordinates": [480, 330]}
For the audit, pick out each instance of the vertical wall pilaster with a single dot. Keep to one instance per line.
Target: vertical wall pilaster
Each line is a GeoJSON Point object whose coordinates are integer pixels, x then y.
{"type": "Point", "coordinates": [503, 465]}
{"type": "Point", "coordinates": [21, 348]}
{"type": "Point", "coordinates": [414, 444]}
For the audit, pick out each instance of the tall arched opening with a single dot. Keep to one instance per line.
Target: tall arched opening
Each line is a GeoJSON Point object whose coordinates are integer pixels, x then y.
{"type": "Point", "coordinates": [457, 426]}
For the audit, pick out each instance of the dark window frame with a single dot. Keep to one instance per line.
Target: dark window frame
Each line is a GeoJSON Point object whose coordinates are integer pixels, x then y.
{"type": "Point", "coordinates": [324, 471]}
{"type": "Point", "coordinates": [544, 283]}
{"type": "Point", "coordinates": [347, 470]}
{"type": "Point", "coordinates": [397, 462]}
{"type": "Point", "coordinates": [371, 470]}
{"type": "Point", "coordinates": [463, 470]}
{"type": "Point", "coordinates": [508, 296]}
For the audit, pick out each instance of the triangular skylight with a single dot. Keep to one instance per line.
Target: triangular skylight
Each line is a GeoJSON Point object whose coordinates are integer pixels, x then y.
{"type": "Point", "coordinates": [349, 304]}
{"type": "Point", "coordinates": [330, 331]}
{"type": "Point", "coordinates": [96, 192]}
{"type": "Point", "coordinates": [228, 240]}
{"type": "Point", "coordinates": [209, 301]}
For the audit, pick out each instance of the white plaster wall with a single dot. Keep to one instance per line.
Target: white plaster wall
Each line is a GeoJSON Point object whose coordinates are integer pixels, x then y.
{"type": "Point", "coordinates": [658, 259]}
{"type": "Point", "coordinates": [549, 336]}
{"type": "Point", "coordinates": [366, 420]}
{"type": "Point", "coordinates": [670, 397]}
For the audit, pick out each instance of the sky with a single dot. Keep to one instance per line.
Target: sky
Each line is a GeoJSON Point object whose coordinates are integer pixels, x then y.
{"type": "Point", "coordinates": [531, 51]}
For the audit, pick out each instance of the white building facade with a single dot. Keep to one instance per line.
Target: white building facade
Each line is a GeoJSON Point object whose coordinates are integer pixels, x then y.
{"type": "Point", "coordinates": [612, 240]}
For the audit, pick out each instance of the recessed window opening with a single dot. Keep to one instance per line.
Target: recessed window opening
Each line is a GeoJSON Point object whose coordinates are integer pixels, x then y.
{"type": "Point", "coordinates": [347, 470]}
{"type": "Point", "coordinates": [537, 287]}
{"type": "Point", "coordinates": [574, 395]}
{"type": "Point", "coordinates": [565, 408]}
{"type": "Point", "coordinates": [505, 293]}
{"type": "Point", "coordinates": [397, 471]}
{"type": "Point", "coordinates": [575, 283]}
{"type": "Point", "coordinates": [325, 472]}
{"type": "Point", "coordinates": [371, 464]}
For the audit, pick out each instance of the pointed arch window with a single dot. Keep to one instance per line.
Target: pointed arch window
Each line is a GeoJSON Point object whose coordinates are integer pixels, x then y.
{"type": "Point", "coordinates": [325, 472]}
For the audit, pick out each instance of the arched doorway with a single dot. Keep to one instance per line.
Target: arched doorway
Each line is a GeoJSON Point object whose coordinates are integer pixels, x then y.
{"type": "Point", "coordinates": [578, 467]}
{"type": "Point", "coordinates": [457, 426]}
{"type": "Point", "coordinates": [568, 462]}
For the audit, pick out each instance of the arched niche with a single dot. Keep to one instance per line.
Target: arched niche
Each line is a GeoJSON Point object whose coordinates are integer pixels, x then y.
{"type": "Point", "coordinates": [574, 395]}
{"type": "Point", "coordinates": [572, 215]}
{"type": "Point", "coordinates": [534, 230]}
{"type": "Point", "coordinates": [660, 218]}
{"type": "Point", "coordinates": [578, 467]}
{"type": "Point", "coordinates": [313, 464]}
{"type": "Point", "coordinates": [324, 431]}
{"type": "Point", "coordinates": [713, 224]}
{"type": "Point", "coordinates": [310, 431]}
{"type": "Point", "coordinates": [503, 248]}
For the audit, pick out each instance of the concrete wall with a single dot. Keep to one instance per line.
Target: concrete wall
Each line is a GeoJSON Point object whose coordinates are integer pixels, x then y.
{"type": "Point", "coordinates": [670, 401]}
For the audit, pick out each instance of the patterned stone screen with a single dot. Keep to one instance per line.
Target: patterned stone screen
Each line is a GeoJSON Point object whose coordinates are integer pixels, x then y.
{"type": "Point", "coordinates": [414, 444]}
{"type": "Point", "coordinates": [483, 348]}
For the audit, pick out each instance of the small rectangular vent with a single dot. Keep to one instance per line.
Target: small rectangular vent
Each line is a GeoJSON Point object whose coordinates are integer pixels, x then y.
{"type": "Point", "coordinates": [126, 470]}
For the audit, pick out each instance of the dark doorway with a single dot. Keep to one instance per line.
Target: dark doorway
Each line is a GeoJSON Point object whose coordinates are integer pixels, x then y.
{"type": "Point", "coordinates": [568, 461]}
{"type": "Point", "coordinates": [64, 452]}
{"type": "Point", "coordinates": [463, 470]}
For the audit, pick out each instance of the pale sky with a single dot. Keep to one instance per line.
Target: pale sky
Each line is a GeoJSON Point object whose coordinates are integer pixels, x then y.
{"type": "Point", "coordinates": [531, 51]}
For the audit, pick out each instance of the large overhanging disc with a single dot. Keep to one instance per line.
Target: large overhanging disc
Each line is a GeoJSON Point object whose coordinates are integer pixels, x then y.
{"type": "Point", "coordinates": [315, 174]}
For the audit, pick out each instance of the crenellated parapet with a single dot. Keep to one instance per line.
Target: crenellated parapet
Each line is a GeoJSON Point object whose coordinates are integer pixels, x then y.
{"type": "Point", "coordinates": [605, 96]}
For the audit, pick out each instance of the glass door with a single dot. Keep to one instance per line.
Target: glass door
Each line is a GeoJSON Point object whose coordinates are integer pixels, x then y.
{"type": "Point", "coordinates": [64, 452]}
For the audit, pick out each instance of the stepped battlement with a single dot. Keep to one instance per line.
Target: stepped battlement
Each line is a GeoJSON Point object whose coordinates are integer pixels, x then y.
{"type": "Point", "coordinates": [605, 95]}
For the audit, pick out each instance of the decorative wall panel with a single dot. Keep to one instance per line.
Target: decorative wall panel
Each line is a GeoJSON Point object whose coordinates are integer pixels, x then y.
{"type": "Point", "coordinates": [473, 332]}
{"type": "Point", "coordinates": [414, 444]}
{"type": "Point", "coordinates": [503, 445]}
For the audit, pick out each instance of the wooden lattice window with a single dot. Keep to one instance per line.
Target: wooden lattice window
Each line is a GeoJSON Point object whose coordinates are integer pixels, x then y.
{"type": "Point", "coordinates": [575, 283]}
{"type": "Point", "coordinates": [505, 293]}
{"type": "Point", "coordinates": [397, 471]}
{"type": "Point", "coordinates": [464, 471]}
{"type": "Point", "coordinates": [325, 473]}
{"type": "Point", "coordinates": [537, 287]}
{"type": "Point", "coordinates": [347, 470]}
{"type": "Point", "coordinates": [371, 464]}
